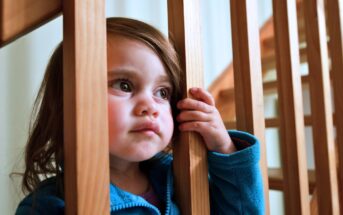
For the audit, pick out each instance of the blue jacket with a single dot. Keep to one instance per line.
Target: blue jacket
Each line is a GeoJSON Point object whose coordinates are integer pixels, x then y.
{"type": "Point", "coordinates": [235, 186]}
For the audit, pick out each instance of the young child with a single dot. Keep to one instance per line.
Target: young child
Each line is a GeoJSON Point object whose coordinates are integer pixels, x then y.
{"type": "Point", "coordinates": [145, 115]}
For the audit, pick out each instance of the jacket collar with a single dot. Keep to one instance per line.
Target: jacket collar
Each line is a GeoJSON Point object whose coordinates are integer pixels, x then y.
{"type": "Point", "coordinates": [160, 174]}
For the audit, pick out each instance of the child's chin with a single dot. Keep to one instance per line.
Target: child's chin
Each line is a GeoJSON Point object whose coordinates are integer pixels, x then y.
{"type": "Point", "coordinates": [144, 157]}
{"type": "Point", "coordinates": [147, 150]}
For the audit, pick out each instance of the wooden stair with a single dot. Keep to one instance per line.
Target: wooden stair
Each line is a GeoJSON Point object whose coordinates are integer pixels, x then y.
{"type": "Point", "coordinates": [276, 179]}
{"type": "Point", "coordinates": [222, 90]}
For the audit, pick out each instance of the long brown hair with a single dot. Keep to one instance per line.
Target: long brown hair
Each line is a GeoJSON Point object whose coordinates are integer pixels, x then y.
{"type": "Point", "coordinates": [44, 150]}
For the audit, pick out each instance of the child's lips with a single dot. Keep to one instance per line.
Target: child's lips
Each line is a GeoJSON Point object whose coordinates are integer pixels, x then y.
{"type": "Point", "coordinates": [148, 127]}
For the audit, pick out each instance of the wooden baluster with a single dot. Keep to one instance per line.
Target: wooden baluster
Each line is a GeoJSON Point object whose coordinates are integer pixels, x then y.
{"type": "Point", "coordinates": [248, 77]}
{"type": "Point", "coordinates": [85, 108]}
{"type": "Point", "coordinates": [291, 117]}
{"type": "Point", "coordinates": [335, 26]}
{"type": "Point", "coordinates": [323, 140]}
{"type": "Point", "coordinates": [190, 157]}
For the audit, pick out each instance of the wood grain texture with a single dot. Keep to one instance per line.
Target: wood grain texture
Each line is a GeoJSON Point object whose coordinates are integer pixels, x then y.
{"type": "Point", "coordinates": [190, 155]}
{"type": "Point", "coordinates": [85, 108]}
{"type": "Point", "coordinates": [335, 27]}
{"type": "Point", "coordinates": [291, 116]}
{"type": "Point", "coordinates": [314, 203]}
{"type": "Point", "coordinates": [248, 77]}
{"type": "Point", "coordinates": [18, 17]}
{"type": "Point", "coordinates": [323, 140]}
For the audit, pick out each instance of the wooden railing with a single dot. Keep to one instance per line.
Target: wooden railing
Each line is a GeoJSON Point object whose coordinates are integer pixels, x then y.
{"type": "Point", "coordinates": [335, 29]}
{"type": "Point", "coordinates": [190, 157]}
{"type": "Point", "coordinates": [322, 123]}
{"type": "Point", "coordinates": [19, 17]}
{"type": "Point", "coordinates": [84, 153]}
{"type": "Point", "coordinates": [298, 35]}
{"type": "Point", "coordinates": [85, 108]}
{"type": "Point", "coordinates": [291, 121]}
{"type": "Point", "coordinates": [248, 77]}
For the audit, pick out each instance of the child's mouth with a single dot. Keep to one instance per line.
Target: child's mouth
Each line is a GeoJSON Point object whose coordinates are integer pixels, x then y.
{"type": "Point", "coordinates": [149, 128]}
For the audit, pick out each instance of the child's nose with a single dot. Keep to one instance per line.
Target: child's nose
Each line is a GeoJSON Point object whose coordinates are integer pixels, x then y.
{"type": "Point", "coordinates": [146, 106]}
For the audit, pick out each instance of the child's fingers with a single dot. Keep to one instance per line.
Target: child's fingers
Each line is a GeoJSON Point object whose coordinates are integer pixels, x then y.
{"type": "Point", "coordinates": [203, 95]}
{"type": "Point", "coordinates": [192, 104]}
{"type": "Point", "coordinates": [192, 116]}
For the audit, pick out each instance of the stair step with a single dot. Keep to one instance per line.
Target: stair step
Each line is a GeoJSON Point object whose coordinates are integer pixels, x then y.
{"type": "Point", "coordinates": [270, 86]}
{"type": "Point", "coordinates": [269, 42]}
{"type": "Point", "coordinates": [269, 61]}
{"type": "Point", "coordinates": [275, 176]}
{"type": "Point", "coordinates": [274, 122]}
{"type": "Point", "coordinates": [269, 122]}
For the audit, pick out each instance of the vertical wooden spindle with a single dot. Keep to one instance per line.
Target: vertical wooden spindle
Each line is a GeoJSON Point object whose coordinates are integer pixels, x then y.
{"type": "Point", "coordinates": [335, 27]}
{"type": "Point", "coordinates": [295, 178]}
{"type": "Point", "coordinates": [248, 77]}
{"type": "Point", "coordinates": [85, 108]}
{"type": "Point", "coordinates": [323, 141]}
{"type": "Point", "coordinates": [190, 156]}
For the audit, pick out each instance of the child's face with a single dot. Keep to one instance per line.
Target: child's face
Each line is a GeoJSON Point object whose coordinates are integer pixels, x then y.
{"type": "Point", "coordinates": [140, 115]}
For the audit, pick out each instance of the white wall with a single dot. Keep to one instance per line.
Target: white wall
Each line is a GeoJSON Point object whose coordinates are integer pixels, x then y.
{"type": "Point", "coordinates": [22, 65]}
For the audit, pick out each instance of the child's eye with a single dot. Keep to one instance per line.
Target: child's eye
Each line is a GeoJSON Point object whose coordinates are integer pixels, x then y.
{"type": "Point", "coordinates": [123, 85]}
{"type": "Point", "coordinates": [163, 93]}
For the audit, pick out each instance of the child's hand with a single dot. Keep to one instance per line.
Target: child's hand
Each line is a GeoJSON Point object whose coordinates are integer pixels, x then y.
{"type": "Point", "coordinates": [199, 114]}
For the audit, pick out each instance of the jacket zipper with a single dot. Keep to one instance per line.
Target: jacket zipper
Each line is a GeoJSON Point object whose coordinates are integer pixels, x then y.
{"type": "Point", "coordinates": [132, 205]}
{"type": "Point", "coordinates": [168, 197]}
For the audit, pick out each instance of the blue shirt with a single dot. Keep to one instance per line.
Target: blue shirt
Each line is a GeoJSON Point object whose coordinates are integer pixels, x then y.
{"type": "Point", "coordinates": [235, 186]}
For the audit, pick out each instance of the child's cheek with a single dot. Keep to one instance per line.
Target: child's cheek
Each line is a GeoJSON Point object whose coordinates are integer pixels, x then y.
{"type": "Point", "coordinates": [167, 123]}
{"type": "Point", "coordinates": [115, 116]}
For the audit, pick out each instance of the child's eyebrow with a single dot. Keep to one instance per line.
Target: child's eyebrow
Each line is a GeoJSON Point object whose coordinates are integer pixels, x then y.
{"type": "Point", "coordinates": [122, 72]}
{"type": "Point", "coordinates": [132, 74]}
{"type": "Point", "coordinates": [164, 78]}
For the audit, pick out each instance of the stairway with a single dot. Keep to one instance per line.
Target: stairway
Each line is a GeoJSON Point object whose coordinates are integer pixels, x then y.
{"type": "Point", "coordinates": [222, 90]}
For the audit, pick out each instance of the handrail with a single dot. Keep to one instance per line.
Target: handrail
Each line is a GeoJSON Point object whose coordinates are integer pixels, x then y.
{"type": "Point", "coordinates": [18, 17]}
